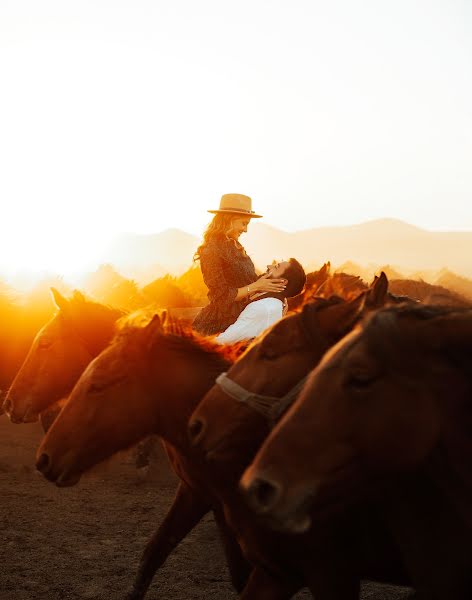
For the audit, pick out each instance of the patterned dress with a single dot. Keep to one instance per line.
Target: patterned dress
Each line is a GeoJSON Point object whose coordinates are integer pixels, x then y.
{"type": "Point", "coordinates": [225, 268]}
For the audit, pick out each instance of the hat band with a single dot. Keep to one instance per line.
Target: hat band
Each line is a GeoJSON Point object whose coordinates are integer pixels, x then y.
{"type": "Point", "coordinates": [241, 210]}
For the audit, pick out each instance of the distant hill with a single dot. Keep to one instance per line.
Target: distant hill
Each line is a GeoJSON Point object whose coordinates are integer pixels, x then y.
{"type": "Point", "coordinates": [146, 257]}
{"type": "Point", "coordinates": [381, 242]}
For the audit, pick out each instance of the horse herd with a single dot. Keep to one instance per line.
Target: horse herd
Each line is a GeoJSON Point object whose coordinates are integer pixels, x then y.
{"type": "Point", "coordinates": [336, 447]}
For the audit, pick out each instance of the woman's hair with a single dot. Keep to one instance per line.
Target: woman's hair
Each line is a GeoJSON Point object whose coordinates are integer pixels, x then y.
{"type": "Point", "coordinates": [217, 229]}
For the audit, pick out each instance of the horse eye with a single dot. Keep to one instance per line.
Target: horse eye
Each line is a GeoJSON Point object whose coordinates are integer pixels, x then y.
{"type": "Point", "coordinates": [360, 380]}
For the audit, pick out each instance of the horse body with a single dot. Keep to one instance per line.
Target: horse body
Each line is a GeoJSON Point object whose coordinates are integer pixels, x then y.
{"type": "Point", "coordinates": [388, 407]}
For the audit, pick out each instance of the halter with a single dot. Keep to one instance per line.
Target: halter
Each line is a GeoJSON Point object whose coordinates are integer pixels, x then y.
{"type": "Point", "coordinates": [270, 407]}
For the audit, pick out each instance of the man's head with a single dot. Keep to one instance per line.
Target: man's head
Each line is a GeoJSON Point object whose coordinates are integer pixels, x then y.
{"type": "Point", "coordinates": [292, 271]}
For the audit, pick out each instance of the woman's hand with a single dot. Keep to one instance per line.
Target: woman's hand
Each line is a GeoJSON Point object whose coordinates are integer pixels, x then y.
{"type": "Point", "coordinates": [267, 284]}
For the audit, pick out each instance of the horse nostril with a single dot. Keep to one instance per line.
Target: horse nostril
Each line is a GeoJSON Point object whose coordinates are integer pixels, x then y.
{"type": "Point", "coordinates": [263, 494]}
{"type": "Point", "coordinates": [42, 463]}
{"type": "Point", "coordinates": [195, 430]}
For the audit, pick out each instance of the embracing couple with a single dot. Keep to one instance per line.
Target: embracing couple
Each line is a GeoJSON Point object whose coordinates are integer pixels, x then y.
{"type": "Point", "coordinates": [241, 303]}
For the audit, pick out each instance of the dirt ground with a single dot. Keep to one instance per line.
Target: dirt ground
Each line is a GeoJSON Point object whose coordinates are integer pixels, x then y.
{"type": "Point", "coordinates": [85, 542]}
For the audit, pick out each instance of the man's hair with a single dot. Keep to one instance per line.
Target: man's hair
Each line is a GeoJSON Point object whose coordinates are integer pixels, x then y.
{"type": "Point", "coordinates": [296, 278]}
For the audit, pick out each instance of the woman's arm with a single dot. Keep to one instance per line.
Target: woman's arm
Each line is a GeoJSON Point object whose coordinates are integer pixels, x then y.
{"type": "Point", "coordinates": [263, 284]}
{"type": "Point", "coordinates": [211, 263]}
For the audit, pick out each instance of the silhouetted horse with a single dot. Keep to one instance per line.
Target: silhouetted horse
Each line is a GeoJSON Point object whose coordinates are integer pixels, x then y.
{"type": "Point", "coordinates": [391, 407]}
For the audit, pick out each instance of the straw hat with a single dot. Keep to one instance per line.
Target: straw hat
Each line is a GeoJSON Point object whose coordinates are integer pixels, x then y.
{"type": "Point", "coordinates": [236, 204]}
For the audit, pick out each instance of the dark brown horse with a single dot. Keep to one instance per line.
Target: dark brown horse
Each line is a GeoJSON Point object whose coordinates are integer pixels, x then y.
{"type": "Point", "coordinates": [146, 365]}
{"type": "Point", "coordinates": [391, 404]}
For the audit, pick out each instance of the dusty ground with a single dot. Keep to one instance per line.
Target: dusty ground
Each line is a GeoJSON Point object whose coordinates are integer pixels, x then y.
{"type": "Point", "coordinates": [85, 542]}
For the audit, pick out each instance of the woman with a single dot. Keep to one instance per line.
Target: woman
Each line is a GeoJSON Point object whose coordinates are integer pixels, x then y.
{"type": "Point", "coordinates": [227, 270]}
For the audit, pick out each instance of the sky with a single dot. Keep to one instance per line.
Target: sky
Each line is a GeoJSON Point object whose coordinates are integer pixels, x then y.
{"type": "Point", "coordinates": [137, 115]}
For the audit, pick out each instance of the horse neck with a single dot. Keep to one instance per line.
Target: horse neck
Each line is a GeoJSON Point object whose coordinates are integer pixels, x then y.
{"type": "Point", "coordinates": [97, 327]}
{"type": "Point", "coordinates": [177, 400]}
{"type": "Point", "coordinates": [448, 465]}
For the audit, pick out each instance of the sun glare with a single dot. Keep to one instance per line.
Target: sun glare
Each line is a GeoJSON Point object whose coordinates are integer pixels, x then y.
{"type": "Point", "coordinates": [29, 256]}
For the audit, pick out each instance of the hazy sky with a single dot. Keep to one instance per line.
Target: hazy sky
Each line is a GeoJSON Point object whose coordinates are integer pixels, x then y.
{"type": "Point", "coordinates": [136, 115]}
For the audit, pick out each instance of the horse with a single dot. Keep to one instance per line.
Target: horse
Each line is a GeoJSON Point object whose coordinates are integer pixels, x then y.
{"type": "Point", "coordinates": [60, 351]}
{"type": "Point", "coordinates": [324, 284]}
{"type": "Point", "coordinates": [428, 293]}
{"type": "Point", "coordinates": [135, 388]}
{"type": "Point", "coordinates": [388, 408]}
{"type": "Point", "coordinates": [147, 365]}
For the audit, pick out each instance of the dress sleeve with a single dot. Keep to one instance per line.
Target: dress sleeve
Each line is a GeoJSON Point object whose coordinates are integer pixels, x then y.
{"type": "Point", "coordinates": [212, 264]}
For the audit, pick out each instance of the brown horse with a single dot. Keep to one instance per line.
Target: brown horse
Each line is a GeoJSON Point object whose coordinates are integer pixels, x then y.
{"type": "Point", "coordinates": [145, 364]}
{"type": "Point", "coordinates": [273, 367]}
{"type": "Point", "coordinates": [391, 403]}
{"type": "Point", "coordinates": [324, 284]}
{"type": "Point", "coordinates": [61, 350]}
{"type": "Point", "coordinates": [135, 388]}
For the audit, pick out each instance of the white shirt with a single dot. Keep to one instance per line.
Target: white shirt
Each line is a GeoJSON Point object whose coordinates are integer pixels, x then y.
{"type": "Point", "coordinates": [253, 320]}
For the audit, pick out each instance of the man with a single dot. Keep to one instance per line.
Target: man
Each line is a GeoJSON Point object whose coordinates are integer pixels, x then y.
{"type": "Point", "coordinates": [262, 312]}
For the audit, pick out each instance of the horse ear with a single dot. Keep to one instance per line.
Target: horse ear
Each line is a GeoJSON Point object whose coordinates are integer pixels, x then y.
{"type": "Point", "coordinates": [325, 268]}
{"type": "Point", "coordinates": [59, 300]}
{"type": "Point", "coordinates": [377, 293]}
{"type": "Point", "coordinates": [153, 329]}
{"type": "Point", "coordinates": [78, 296]}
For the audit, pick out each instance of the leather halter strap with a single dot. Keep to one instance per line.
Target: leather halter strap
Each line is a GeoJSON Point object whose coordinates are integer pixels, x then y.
{"type": "Point", "coordinates": [270, 407]}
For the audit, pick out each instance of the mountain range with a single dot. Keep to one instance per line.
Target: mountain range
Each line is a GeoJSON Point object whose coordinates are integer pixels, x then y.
{"type": "Point", "coordinates": [380, 242]}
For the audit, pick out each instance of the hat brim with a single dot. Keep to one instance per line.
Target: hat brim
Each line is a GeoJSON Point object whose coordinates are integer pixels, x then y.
{"type": "Point", "coordinates": [240, 213]}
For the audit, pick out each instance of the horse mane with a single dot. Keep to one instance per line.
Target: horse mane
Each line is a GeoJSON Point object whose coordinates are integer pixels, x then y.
{"type": "Point", "coordinates": [342, 285]}
{"type": "Point", "coordinates": [418, 311]}
{"type": "Point", "coordinates": [427, 292]}
{"type": "Point", "coordinates": [179, 335]}
{"type": "Point", "coordinates": [383, 324]}
{"type": "Point", "coordinates": [94, 322]}
{"type": "Point", "coordinates": [93, 308]}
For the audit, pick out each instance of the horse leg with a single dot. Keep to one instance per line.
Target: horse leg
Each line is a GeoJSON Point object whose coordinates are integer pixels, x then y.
{"type": "Point", "coordinates": [185, 513]}
{"type": "Point", "coordinates": [238, 566]}
{"type": "Point", "coordinates": [329, 576]}
{"type": "Point", "coordinates": [263, 586]}
{"type": "Point", "coordinates": [144, 450]}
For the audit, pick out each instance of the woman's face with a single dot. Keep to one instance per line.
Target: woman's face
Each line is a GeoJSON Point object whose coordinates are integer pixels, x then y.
{"type": "Point", "coordinates": [238, 226]}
